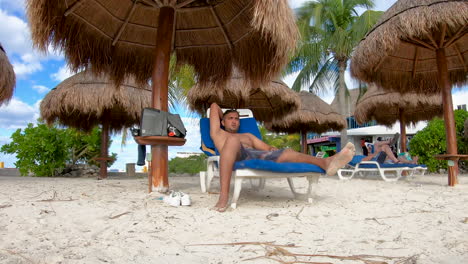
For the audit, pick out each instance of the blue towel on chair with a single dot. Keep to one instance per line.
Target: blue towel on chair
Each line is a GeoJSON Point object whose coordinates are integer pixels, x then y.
{"type": "Point", "coordinates": [269, 165]}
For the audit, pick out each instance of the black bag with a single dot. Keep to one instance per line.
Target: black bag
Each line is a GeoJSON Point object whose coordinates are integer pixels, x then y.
{"type": "Point", "coordinates": [155, 122]}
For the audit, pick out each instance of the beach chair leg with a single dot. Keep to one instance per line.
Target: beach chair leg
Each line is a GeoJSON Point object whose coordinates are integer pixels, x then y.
{"type": "Point", "coordinates": [291, 185]}
{"type": "Point", "coordinates": [313, 181]}
{"type": "Point", "coordinates": [257, 183]}
{"type": "Point", "coordinates": [386, 178]}
{"type": "Point", "coordinates": [203, 181]}
{"type": "Point", "coordinates": [345, 174]}
{"type": "Point", "coordinates": [237, 190]}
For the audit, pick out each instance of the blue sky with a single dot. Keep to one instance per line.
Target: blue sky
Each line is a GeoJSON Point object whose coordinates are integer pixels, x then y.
{"type": "Point", "coordinates": [37, 73]}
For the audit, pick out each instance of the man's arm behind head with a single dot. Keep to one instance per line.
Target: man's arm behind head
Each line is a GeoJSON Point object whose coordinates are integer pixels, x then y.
{"type": "Point", "coordinates": [216, 114]}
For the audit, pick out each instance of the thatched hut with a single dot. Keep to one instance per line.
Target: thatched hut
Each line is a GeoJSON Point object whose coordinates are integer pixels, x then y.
{"type": "Point", "coordinates": [7, 77]}
{"type": "Point", "coordinates": [313, 115]}
{"type": "Point", "coordinates": [125, 37]}
{"type": "Point", "coordinates": [387, 108]}
{"type": "Point", "coordinates": [84, 101]}
{"type": "Point", "coordinates": [421, 46]}
{"type": "Point", "coordinates": [273, 99]}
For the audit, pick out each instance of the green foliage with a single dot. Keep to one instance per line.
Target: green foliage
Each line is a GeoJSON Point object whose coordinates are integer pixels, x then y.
{"type": "Point", "coordinates": [192, 165]}
{"type": "Point", "coordinates": [431, 141]}
{"type": "Point", "coordinates": [281, 141]}
{"type": "Point", "coordinates": [39, 150]}
{"type": "Point", "coordinates": [45, 151]}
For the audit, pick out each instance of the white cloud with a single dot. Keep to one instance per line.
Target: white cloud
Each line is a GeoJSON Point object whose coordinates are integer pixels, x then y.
{"type": "Point", "coordinates": [16, 40]}
{"type": "Point", "coordinates": [17, 114]}
{"type": "Point", "coordinates": [62, 74]}
{"type": "Point", "coordinates": [41, 89]}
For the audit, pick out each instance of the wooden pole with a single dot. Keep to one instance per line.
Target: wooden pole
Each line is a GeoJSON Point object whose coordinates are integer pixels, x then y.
{"type": "Point", "coordinates": [304, 142]}
{"type": "Point", "coordinates": [448, 113]}
{"type": "Point", "coordinates": [160, 79]}
{"type": "Point", "coordinates": [104, 152]}
{"type": "Point", "coordinates": [402, 130]}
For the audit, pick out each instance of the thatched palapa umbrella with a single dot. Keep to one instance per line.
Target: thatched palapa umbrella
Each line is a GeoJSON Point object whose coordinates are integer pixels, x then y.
{"type": "Point", "coordinates": [421, 46]}
{"type": "Point", "coordinates": [313, 115]}
{"type": "Point", "coordinates": [388, 107]}
{"type": "Point", "coordinates": [7, 77]}
{"type": "Point", "coordinates": [84, 101]}
{"type": "Point", "coordinates": [137, 37]}
{"type": "Point", "coordinates": [266, 101]}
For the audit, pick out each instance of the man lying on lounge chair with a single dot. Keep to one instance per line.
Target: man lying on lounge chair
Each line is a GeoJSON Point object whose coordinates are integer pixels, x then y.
{"type": "Point", "coordinates": [233, 147]}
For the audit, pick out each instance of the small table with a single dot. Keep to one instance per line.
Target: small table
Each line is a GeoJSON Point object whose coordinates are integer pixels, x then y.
{"type": "Point", "coordinates": [454, 157]}
{"type": "Point", "coordinates": [160, 140]}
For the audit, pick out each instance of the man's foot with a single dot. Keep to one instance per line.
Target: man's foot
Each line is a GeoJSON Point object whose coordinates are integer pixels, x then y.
{"type": "Point", "coordinates": [222, 205]}
{"type": "Point", "coordinates": [341, 159]}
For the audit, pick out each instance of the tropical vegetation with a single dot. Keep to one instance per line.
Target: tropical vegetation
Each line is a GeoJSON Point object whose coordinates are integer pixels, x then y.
{"type": "Point", "coordinates": [45, 151]}
{"type": "Point", "coordinates": [330, 29]}
{"type": "Point", "coordinates": [431, 141]}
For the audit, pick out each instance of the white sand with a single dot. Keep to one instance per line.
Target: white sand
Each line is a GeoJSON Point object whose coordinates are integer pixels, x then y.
{"type": "Point", "coordinates": [420, 218]}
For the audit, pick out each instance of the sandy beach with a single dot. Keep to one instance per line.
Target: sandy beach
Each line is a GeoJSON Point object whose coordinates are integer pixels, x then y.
{"type": "Point", "coordinates": [82, 220]}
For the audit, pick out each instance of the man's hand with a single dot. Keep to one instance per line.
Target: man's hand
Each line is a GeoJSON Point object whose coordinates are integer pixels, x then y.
{"type": "Point", "coordinates": [273, 149]}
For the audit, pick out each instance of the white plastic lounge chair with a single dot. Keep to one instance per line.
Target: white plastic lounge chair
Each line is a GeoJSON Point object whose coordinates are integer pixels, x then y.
{"type": "Point", "coordinates": [388, 172]}
{"type": "Point", "coordinates": [253, 169]}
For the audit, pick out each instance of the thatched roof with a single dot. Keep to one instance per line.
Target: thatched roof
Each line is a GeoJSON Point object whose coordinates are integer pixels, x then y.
{"type": "Point", "coordinates": [265, 101]}
{"type": "Point", "coordinates": [383, 107]}
{"type": "Point", "coordinates": [313, 115]}
{"type": "Point", "coordinates": [351, 99]}
{"type": "Point", "coordinates": [399, 51]}
{"type": "Point", "coordinates": [7, 77]}
{"type": "Point", "coordinates": [84, 101]}
{"type": "Point", "coordinates": [118, 36]}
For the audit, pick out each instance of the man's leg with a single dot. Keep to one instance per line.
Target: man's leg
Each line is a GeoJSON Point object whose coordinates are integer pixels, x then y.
{"type": "Point", "coordinates": [228, 156]}
{"type": "Point", "coordinates": [331, 164]}
{"type": "Point", "coordinates": [389, 152]}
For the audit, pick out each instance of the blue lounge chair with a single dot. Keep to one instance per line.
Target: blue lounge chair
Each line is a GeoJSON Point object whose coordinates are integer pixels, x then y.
{"type": "Point", "coordinates": [253, 169]}
{"type": "Point", "coordinates": [388, 172]}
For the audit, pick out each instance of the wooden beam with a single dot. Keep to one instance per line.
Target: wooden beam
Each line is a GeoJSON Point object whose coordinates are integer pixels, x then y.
{"type": "Point", "coordinates": [221, 27]}
{"type": "Point", "coordinates": [184, 3]}
{"type": "Point", "coordinates": [460, 57]}
{"type": "Point", "coordinates": [442, 36]}
{"type": "Point", "coordinates": [417, 45]}
{"type": "Point", "coordinates": [174, 32]}
{"type": "Point", "coordinates": [449, 118]}
{"type": "Point", "coordinates": [455, 36]}
{"type": "Point", "coordinates": [73, 7]}
{"type": "Point", "coordinates": [431, 38]}
{"type": "Point", "coordinates": [423, 43]}
{"type": "Point", "coordinates": [151, 3]}
{"type": "Point", "coordinates": [415, 61]}
{"type": "Point", "coordinates": [122, 28]}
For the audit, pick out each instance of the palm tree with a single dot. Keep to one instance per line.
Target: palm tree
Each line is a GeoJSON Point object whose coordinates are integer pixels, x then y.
{"type": "Point", "coordinates": [330, 30]}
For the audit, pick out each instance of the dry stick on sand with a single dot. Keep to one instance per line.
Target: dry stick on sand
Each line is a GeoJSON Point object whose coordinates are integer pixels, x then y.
{"type": "Point", "coordinates": [119, 215]}
{"type": "Point", "coordinates": [278, 250]}
{"type": "Point", "coordinates": [54, 199]}
{"type": "Point", "coordinates": [5, 206]}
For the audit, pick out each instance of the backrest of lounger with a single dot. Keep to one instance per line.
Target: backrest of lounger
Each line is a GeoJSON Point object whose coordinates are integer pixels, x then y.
{"type": "Point", "coordinates": [247, 125]}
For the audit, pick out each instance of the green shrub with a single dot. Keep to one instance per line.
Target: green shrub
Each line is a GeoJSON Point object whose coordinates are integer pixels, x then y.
{"type": "Point", "coordinates": [45, 151]}
{"type": "Point", "coordinates": [192, 165]}
{"type": "Point", "coordinates": [431, 141]}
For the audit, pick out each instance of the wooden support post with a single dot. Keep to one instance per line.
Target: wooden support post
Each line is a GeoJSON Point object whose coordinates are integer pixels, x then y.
{"type": "Point", "coordinates": [449, 118]}
{"type": "Point", "coordinates": [160, 79]}
{"type": "Point", "coordinates": [304, 142]}
{"type": "Point", "coordinates": [104, 152]}
{"type": "Point", "coordinates": [402, 131]}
